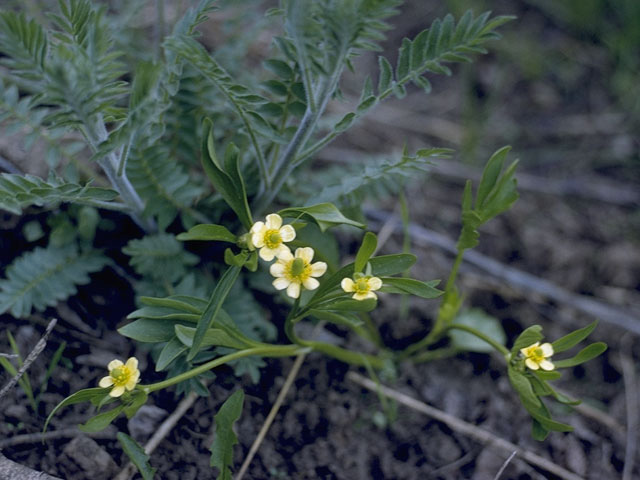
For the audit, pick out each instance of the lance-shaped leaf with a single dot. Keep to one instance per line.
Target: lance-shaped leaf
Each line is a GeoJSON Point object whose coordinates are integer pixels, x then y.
{"type": "Point", "coordinates": [101, 421]}
{"type": "Point", "coordinates": [80, 396]}
{"type": "Point", "coordinates": [208, 232]}
{"type": "Point", "coordinates": [137, 456]}
{"type": "Point", "coordinates": [411, 286]}
{"type": "Point", "coordinates": [527, 338]}
{"type": "Point", "coordinates": [225, 439]}
{"type": "Point", "coordinates": [587, 353]}
{"type": "Point", "coordinates": [368, 247]}
{"type": "Point", "coordinates": [573, 338]}
{"type": "Point", "coordinates": [325, 215]}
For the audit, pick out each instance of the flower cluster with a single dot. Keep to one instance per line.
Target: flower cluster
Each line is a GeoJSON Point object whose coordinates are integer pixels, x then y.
{"type": "Point", "coordinates": [292, 270]}
{"type": "Point", "coordinates": [122, 376]}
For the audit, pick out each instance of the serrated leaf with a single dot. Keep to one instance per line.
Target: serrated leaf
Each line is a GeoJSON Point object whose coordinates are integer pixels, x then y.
{"type": "Point", "coordinates": [44, 276]}
{"type": "Point", "coordinates": [160, 256]}
{"type": "Point", "coordinates": [137, 455]}
{"type": "Point", "coordinates": [225, 438]}
{"type": "Point", "coordinates": [483, 323]}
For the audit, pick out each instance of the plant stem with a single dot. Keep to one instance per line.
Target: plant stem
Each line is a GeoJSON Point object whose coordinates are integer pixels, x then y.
{"type": "Point", "coordinates": [485, 338]}
{"type": "Point", "coordinates": [266, 351]}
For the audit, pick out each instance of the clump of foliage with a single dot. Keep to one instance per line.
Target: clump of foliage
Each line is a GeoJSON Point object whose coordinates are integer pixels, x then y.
{"type": "Point", "coordinates": [256, 136]}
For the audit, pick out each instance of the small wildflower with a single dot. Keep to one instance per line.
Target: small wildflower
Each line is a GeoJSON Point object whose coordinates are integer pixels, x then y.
{"type": "Point", "coordinates": [121, 376]}
{"type": "Point", "coordinates": [362, 286]}
{"type": "Point", "coordinates": [291, 271]}
{"type": "Point", "coordinates": [536, 356]}
{"type": "Point", "coordinates": [270, 236]}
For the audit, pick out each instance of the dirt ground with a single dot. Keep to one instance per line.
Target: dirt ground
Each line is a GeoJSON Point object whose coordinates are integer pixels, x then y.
{"type": "Point", "coordinates": [576, 226]}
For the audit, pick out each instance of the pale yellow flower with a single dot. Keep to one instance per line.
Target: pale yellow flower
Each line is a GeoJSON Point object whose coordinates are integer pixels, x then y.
{"type": "Point", "coordinates": [121, 376]}
{"type": "Point", "coordinates": [536, 356]}
{"type": "Point", "coordinates": [362, 287]}
{"type": "Point", "coordinates": [270, 236]}
{"type": "Point", "coordinates": [294, 271]}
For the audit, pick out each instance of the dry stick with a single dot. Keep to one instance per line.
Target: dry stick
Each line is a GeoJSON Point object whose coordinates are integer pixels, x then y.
{"type": "Point", "coordinates": [10, 470]}
{"type": "Point", "coordinates": [478, 434]}
{"type": "Point", "coordinates": [631, 400]}
{"type": "Point", "coordinates": [504, 465]}
{"type": "Point", "coordinates": [8, 355]}
{"type": "Point", "coordinates": [522, 280]}
{"type": "Point", "coordinates": [37, 350]}
{"type": "Point", "coordinates": [272, 415]}
{"type": "Point", "coordinates": [52, 435]}
{"type": "Point", "coordinates": [129, 470]}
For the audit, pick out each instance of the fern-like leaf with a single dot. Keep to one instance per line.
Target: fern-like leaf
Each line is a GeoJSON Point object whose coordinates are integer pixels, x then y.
{"type": "Point", "coordinates": [160, 257]}
{"type": "Point", "coordinates": [162, 183]}
{"type": "Point", "coordinates": [379, 179]}
{"type": "Point", "coordinates": [43, 277]}
{"type": "Point", "coordinates": [18, 192]}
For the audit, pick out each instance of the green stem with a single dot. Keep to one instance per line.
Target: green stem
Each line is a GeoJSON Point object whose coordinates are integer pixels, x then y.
{"type": "Point", "coordinates": [266, 351]}
{"type": "Point", "coordinates": [465, 328]}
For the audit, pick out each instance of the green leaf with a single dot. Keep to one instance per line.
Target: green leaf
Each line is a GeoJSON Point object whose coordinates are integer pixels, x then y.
{"type": "Point", "coordinates": [137, 456]}
{"type": "Point", "coordinates": [182, 303]}
{"type": "Point", "coordinates": [215, 302]}
{"type": "Point", "coordinates": [343, 319]}
{"type": "Point", "coordinates": [483, 323]}
{"type": "Point", "coordinates": [490, 175]}
{"type": "Point", "coordinates": [101, 421]}
{"type": "Point", "coordinates": [172, 350]}
{"type": "Point", "coordinates": [80, 396]}
{"type": "Point", "coordinates": [45, 276]}
{"type": "Point", "coordinates": [325, 215]}
{"type": "Point", "coordinates": [137, 399]}
{"type": "Point", "coordinates": [160, 257]}
{"type": "Point", "coordinates": [149, 330]}
{"type": "Point", "coordinates": [386, 74]}
{"type": "Point", "coordinates": [208, 232]}
{"type": "Point", "coordinates": [367, 248]}
{"type": "Point", "coordinates": [213, 336]}
{"type": "Point", "coordinates": [538, 432]}
{"type": "Point", "coordinates": [587, 353]}
{"type": "Point", "coordinates": [225, 439]}
{"type": "Point", "coordinates": [573, 338]}
{"type": "Point", "coordinates": [225, 182]}
{"type": "Point", "coordinates": [349, 305]}
{"type": "Point", "coordinates": [18, 192]}
{"type": "Point", "coordinates": [522, 385]}
{"type": "Point", "coordinates": [527, 338]}
{"type": "Point", "coordinates": [411, 286]}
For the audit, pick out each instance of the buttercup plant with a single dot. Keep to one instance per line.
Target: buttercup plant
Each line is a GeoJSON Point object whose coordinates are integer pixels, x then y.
{"type": "Point", "coordinates": [253, 138]}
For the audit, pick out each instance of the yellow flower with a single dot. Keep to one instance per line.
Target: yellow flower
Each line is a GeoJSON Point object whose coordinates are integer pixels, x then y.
{"type": "Point", "coordinates": [269, 237]}
{"type": "Point", "coordinates": [121, 376]}
{"type": "Point", "coordinates": [292, 271]}
{"type": "Point", "coordinates": [536, 356]}
{"type": "Point", "coordinates": [362, 287]}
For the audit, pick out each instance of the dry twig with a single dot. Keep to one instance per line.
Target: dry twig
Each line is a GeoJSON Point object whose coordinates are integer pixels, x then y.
{"type": "Point", "coordinates": [37, 350]}
{"type": "Point", "coordinates": [521, 280]}
{"type": "Point", "coordinates": [478, 434]}
{"type": "Point", "coordinates": [165, 428]}
{"type": "Point", "coordinates": [504, 465]}
{"type": "Point", "coordinates": [26, 438]}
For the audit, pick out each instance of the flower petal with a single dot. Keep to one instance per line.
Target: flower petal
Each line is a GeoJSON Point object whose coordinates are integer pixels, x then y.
{"type": "Point", "coordinates": [274, 221]}
{"type": "Point", "coordinates": [363, 296]}
{"type": "Point", "coordinates": [526, 351]}
{"type": "Point", "coordinates": [318, 269]}
{"type": "Point", "coordinates": [131, 383]}
{"type": "Point", "coordinates": [311, 283]}
{"type": "Point", "coordinates": [281, 283]}
{"type": "Point", "coordinates": [547, 365]}
{"type": "Point", "coordinates": [547, 349]}
{"type": "Point", "coordinates": [293, 290]}
{"type": "Point", "coordinates": [257, 239]}
{"type": "Point", "coordinates": [374, 283]}
{"type": "Point", "coordinates": [132, 363]}
{"type": "Point", "coordinates": [305, 253]}
{"type": "Point", "coordinates": [267, 254]}
{"type": "Point", "coordinates": [114, 364]}
{"type": "Point", "coordinates": [106, 382]}
{"type": "Point", "coordinates": [347, 284]}
{"type": "Point", "coordinates": [257, 227]}
{"type": "Point", "coordinates": [277, 269]}
{"type": "Point", "coordinates": [283, 252]}
{"type": "Point", "coordinates": [531, 364]}
{"type": "Point", "coordinates": [287, 233]}
{"type": "Point", "coordinates": [117, 391]}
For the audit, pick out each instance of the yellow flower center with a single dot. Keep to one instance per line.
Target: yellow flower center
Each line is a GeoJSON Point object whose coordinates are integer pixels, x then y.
{"type": "Point", "coordinates": [361, 286]}
{"type": "Point", "coordinates": [272, 238]}
{"type": "Point", "coordinates": [120, 375]}
{"type": "Point", "coordinates": [298, 270]}
{"type": "Point", "coordinates": [536, 355]}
